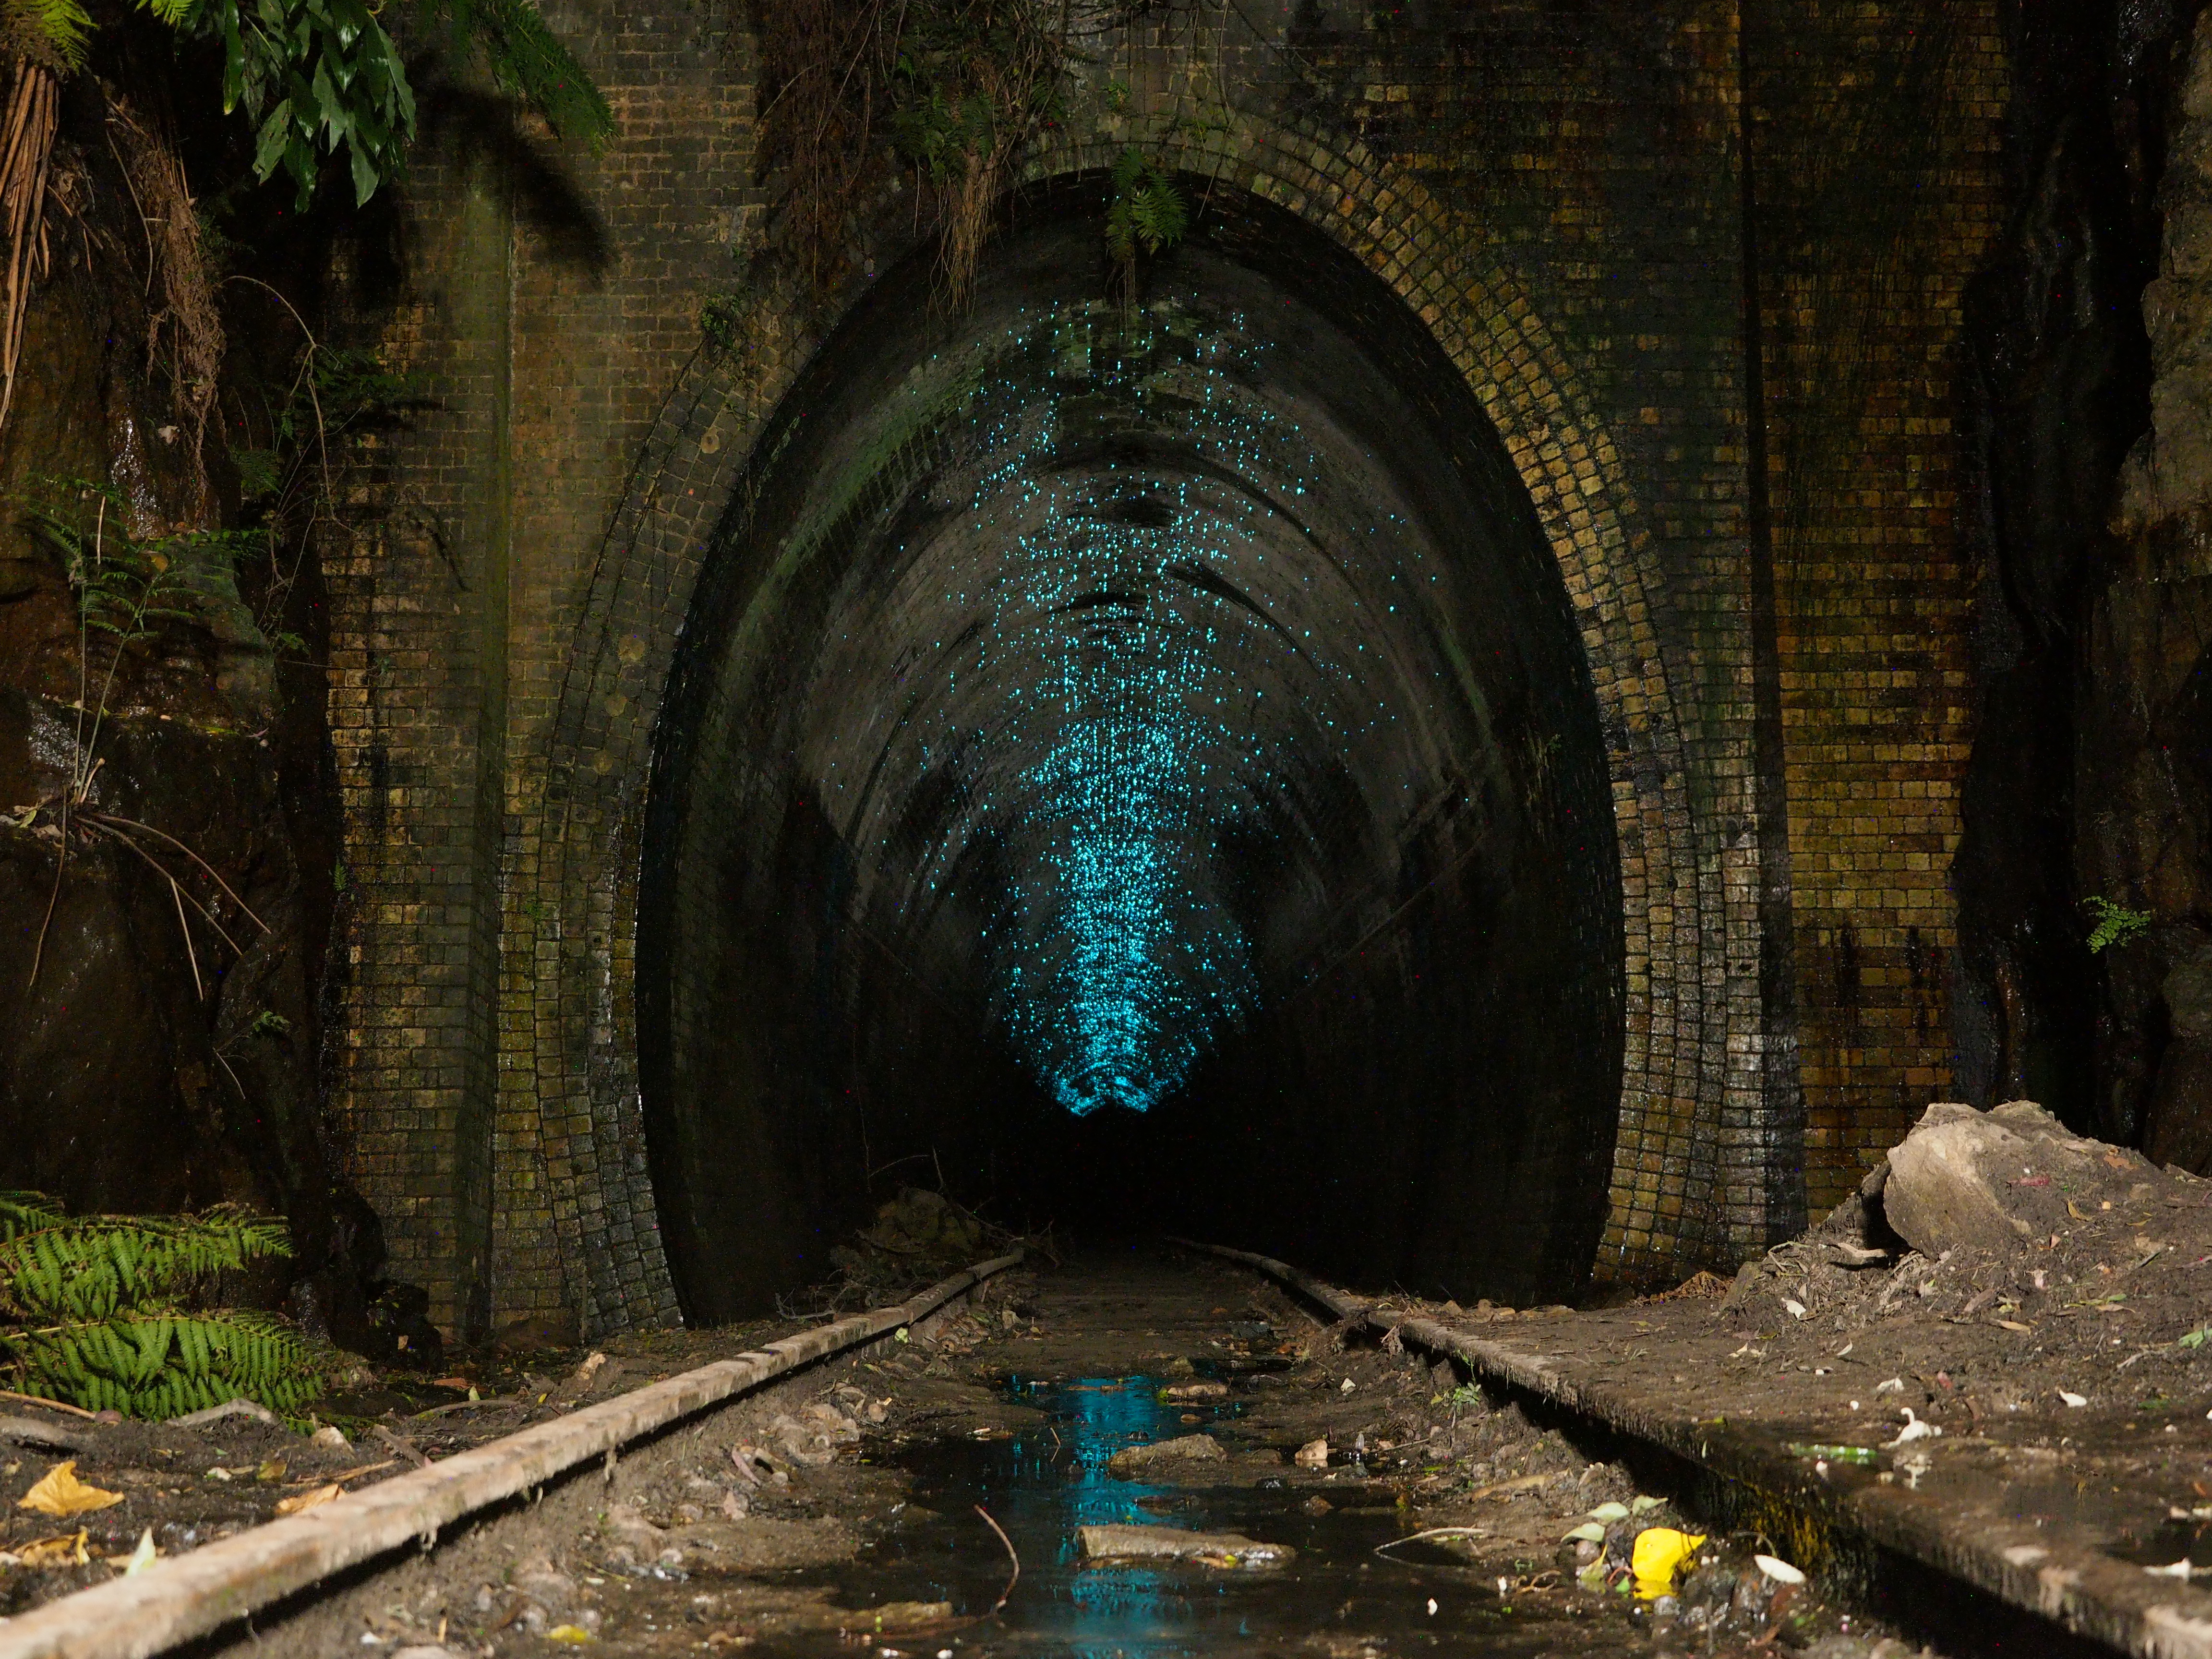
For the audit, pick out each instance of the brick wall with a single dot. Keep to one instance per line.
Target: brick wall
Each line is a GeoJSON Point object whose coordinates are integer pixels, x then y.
{"type": "Point", "coordinates": [1555, 189]}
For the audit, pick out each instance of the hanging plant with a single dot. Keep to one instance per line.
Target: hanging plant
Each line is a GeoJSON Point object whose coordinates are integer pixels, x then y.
{"type": "Point", "coordinates": [1147, 212]}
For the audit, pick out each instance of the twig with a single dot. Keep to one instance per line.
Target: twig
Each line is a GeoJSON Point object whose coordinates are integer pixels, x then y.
{"type": "Point", "coordinates": [39, 952]}
{"type": "Point", "coordinates": [1011, 1552]}
{"type": "Point", "coordinates": [51, 1405]}
{"type": "Point", "coordinates": [244, 1098]}
{"type": "Point", "coordinates": [406, 1448]}
{"type": "Point", "coordinates": [113, 822]}
{"type": "Point", "coordinates": [199, 986]}
{"type": "Point", "coordinates": [1431, 1532]}
{"type": "Point", "coordinates": [205, 915]}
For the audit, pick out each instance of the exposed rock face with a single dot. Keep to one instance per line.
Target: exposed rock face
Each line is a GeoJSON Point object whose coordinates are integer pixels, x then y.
{"type": "Point", "coordinates": [2144, 782]}
{"type": "Point", "coordinates": [162, 1056]}
{"type": "Point", "coordinates": [1989, 1180]}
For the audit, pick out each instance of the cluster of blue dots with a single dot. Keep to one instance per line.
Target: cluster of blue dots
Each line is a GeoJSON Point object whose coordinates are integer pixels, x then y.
{"type": "Point", "coordinates": [1117, 732]}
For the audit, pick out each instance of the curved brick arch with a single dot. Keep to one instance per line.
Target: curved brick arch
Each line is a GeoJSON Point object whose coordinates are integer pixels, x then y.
{"type": "Point", "coordinates": [568, 1020]}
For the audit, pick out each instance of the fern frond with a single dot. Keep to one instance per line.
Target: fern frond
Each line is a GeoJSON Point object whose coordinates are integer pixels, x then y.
{"type": "Point", "coordinates": [27, 1213]}
{"type": "Point", "coordinates": [528, 60]}
{"type": "Point", "coordinates": [89, 1267]}
{"type": "Point", "coordinates": [57, 29]}
{"type": "Point", "coordinates": [165, 1364]}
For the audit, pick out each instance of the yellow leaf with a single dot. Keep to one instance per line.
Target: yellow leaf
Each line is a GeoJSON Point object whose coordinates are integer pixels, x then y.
{"type": "Point", "coordinates": [575, 1635]}
{"type": "Point", "coordinates": [140, 1558]}
{"type": "Point", "coordinates": [1659, 1551]}
{"type": "Point", "coordinates": [308, 1500]}
{"type": "Point", "coordinates": [2075, 1214]}
{"type": "Point", "coordinates": [60, 1492]}
{"type": "Point", "coordinates": [66, 1551]}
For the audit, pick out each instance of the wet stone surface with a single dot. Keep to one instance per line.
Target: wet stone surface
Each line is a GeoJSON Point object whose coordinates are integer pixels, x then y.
{"type": "Point", "coordinates": [1355, 1500]}
{"type": "Point", "coordinates": [809, 1538]}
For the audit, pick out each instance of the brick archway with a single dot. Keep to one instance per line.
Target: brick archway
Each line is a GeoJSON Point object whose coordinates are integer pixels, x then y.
{"type": "Point", "coordinates": [1689, 1174]}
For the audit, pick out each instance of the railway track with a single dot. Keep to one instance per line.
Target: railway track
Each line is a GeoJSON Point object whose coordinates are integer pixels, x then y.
{"type": "Point", "coordinates": [327, 1555]}
{"type": "Point", "coordinates": [1946, 1558]}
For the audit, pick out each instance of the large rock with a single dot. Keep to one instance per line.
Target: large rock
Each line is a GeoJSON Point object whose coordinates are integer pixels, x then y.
{"type": "Point", "coordinates": [1165, 1457]}
{"type": "Point", "coordinates": [1990, 1181]}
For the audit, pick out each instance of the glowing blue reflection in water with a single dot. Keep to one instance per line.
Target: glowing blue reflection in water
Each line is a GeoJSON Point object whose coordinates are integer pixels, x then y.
{"type": "Point", "coordinates": [1046, 1482]}
{"type": "Point", "coordinates": [1111, 1610]}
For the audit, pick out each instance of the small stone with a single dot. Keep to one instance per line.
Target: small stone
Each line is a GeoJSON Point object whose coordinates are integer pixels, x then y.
{"type": "Point", "coordinates": [1211, 1549]}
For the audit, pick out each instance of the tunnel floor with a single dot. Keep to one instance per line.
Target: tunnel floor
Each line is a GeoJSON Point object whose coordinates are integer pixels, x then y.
{"type": "Point", "coordinates": [1022, 1407]}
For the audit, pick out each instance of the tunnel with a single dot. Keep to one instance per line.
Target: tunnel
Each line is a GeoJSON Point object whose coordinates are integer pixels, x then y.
{"type": "Point", "coordinates": [1131, 761]}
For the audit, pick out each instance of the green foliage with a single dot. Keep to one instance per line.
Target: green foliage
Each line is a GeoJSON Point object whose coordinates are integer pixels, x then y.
{"type": "Point", "coordinates": [722, 320]}
{"type": "Point", "coordinates": [260, 472]}
{"type": "Point", "coordinates": [969, 76]}
{"type": "Point", "coordinates": [2115, 923]}
{"type": "Point", "coordinates": [528, 60]}
{"type": "Point", "coordinates": [1148, 209]}
{"type": "Point", "coordinates": [269, 1023]}
{"type": "Point", "coordinates": [97, 1267]}
{"type": "Point", "coordinates": [99, 1311]}
{"type": "Point", "coordinates": [52, 30]}
{"type": "Point", "coordinates": [126, 588]}
{"type": "Point", "coordinates": [2196, 1338]}
{"type": "Point", "coordinates": [27, 1213]}
{"type": "Point", "coordinates": [316, 77]}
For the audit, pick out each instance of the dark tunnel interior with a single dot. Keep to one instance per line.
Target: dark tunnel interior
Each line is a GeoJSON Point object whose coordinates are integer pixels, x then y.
{"type": "Point", "coordinates": [1137, 764]}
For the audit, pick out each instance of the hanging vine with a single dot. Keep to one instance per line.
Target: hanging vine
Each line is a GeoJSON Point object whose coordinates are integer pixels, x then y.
{"type": "Point", "coordinates": [948, 92]}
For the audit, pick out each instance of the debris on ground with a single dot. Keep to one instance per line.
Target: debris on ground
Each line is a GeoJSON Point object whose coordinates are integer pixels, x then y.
{"type": "Point", "coordinates": [1211, 1549]}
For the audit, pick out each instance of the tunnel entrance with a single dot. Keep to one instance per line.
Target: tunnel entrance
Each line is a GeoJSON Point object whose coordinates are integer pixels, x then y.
{"type": "Point", "coordinates": [1136, 764]}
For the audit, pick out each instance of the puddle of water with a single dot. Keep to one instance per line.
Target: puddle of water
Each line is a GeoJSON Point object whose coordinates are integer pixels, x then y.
{"type": "Point", "coordinates": [1043, 1483]}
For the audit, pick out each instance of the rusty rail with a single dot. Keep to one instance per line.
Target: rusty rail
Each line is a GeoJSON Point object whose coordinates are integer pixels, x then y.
{"type": "Point", "coordinates": [2049, 1572]}
{"type": "Point", "coordinates": [181, 1597]}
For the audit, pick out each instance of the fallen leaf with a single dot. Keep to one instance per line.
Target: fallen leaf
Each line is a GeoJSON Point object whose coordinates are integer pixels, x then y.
{"type": "Point", "coordinates": [1609, 1513]}
{"type": "Point", "coordinates": [66, 1551]}
{"type": "Point", "coordinates": [1779, 1570]}
{"type": "Point", "coordinates": [309, 1500]}
{"type": "Point", "coordinates": [2074, 1212]}
{"type": "Point", "coordinates": [60, 1492]}
{"type": "Point", "coordinates": [271, 1471]}
{"type": "Point", "coordinates": [1914, 1428]}
{"type": "Point", "coordinates": [344, 1475]}
{"type": "Point", "coordinates": [2073, 1399]}
{"type": "Point", "coordinates": [1588, 1532]}
{"type": "Point", "coordinates": [140, 1558]}
{"type": "Point", "coordinates": [453, 1382]}
{"type": "Point", "coordinates": [1658, 1552]}
{"type": "Point", "coordinates": [2010, 1324]}
{"type": "Point", "coordinates": [574, 1635]}
{"type": "Point", "coordinates": [1797, 1308]}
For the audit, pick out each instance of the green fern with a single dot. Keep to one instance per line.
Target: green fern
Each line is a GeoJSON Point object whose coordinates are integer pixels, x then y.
{"type": "Point", "coordinates": [1147, 210]}
{"type": "Point", "coordinates": [95, 1265]}
{"type": "Point", "coordinates": [52, 30]}
{"type": "Point", "coordinates": [27, 1213]}
{"type": "Point", "coordinates": [528, 59]}
{"type": "Point", "coordinates": [2115, 923]}
{"type": "Point", "coordinates": [97, 1311]}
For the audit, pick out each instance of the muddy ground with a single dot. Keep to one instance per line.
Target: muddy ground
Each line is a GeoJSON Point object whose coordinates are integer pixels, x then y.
{"type": "Point", "coordinates": [848, 1513]}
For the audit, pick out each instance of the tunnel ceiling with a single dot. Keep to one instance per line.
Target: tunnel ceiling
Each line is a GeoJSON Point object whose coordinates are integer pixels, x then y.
{"type": "Point", "coordinates": [1081, 687]}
